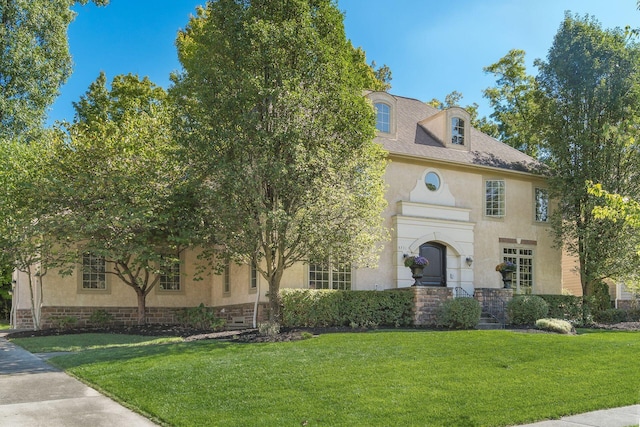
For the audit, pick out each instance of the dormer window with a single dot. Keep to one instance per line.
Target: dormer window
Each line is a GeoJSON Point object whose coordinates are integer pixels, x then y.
{"type": "Point", "coordinates": [383, 117]}
{"type": "Point", "coordinates": [384, 106]}
{"type": "Point", "coordinates": [457, 131]}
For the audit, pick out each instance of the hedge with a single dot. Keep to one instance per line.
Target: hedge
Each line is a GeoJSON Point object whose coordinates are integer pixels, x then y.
{"type": "Point", "coordinates": [330, 308]}
{"type": "Point", "coordinates": [565, 307]}
{"type": "Point", "coordinates": [459, 313]}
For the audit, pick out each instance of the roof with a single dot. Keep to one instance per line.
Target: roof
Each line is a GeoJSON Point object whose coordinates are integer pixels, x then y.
{"type": "Point", "coordinates": [414, 140]}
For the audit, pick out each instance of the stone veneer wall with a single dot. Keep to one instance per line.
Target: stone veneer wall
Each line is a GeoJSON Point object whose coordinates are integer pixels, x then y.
{"type": "Point", "coordinates": [426, 300]}
{"type": "Point", "coordinates": [481, 294]}
{"type": "Point", "coordinates": [628, 304]}
{"type": "Point", "coordinates": [52, 316]}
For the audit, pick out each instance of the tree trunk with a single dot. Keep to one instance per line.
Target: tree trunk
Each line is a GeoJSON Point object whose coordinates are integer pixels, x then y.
{"type": "Point", "coordinates": [142, 306]}
{"type": "Point", "coordinates": [275, 304]}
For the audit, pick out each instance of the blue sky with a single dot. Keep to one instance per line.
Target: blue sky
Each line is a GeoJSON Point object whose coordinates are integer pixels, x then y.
{"type": "Point", "coordinates": [432, 46]}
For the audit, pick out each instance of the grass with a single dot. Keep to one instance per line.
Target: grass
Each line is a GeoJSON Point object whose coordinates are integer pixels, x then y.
{"type": "Point", "coordinates": [4, 324]}
{"type": "Point", "coordinates": [80, 342]}
{"type": "Point", "coordinates": [464, 378]}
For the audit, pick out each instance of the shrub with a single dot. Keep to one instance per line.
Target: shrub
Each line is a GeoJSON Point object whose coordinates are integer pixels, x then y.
{"type": "Point", "coordinates": [66, 322]}
{"type": "Point", "coordinates": [199, 317]}
{"type": "Point", "coordinates": [555, 325]}
{"type": "Point", "coordinates": [565, 307]}
{"type": "Point", "coordinates": [459, 313]}
{"type": "Point", "coordinates": [100, 318]}
{"type": "Point", "coordinates": [329, 308]}
{"type": "Point", "coordinates": [526, 309]}
{"type": "Point", "coordinates": [612, 315]}
{"type": "Point", "coordinates": [633, 315]}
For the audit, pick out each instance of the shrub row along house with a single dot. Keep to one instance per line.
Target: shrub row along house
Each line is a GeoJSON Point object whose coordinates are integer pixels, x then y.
{"type": "Point", "coordinates": [456, 196]}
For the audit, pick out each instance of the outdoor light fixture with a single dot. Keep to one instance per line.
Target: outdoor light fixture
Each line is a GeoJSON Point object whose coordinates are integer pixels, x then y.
{"type": "Point", "coordinates": [469, 261]}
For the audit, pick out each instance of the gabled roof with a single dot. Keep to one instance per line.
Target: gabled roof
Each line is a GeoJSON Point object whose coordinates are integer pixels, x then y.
{"type": "Point", "coordinates": [413, 139]}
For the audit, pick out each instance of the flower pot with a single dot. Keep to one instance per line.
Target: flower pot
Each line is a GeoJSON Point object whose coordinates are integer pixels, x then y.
{"type": "Point", "coordinates": [506, 278]}
{"type": "Point", "coordinates": [416, 273]}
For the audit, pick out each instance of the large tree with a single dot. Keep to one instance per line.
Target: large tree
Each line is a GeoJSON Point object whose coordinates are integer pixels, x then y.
{"type": "Point", "coordinates": [34, 60]}
{"type": "Point", "coordinates": [515, 109]}
{"type": "Point", "coordinates": [124, 193]}
{"type": "Point", "coordinates": [275, 121]}
{"type": "Point", "coordinates": [589, 98]}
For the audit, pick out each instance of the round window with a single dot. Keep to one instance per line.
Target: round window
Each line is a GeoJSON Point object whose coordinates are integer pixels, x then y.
{"type": "Point", "coordinates": [432, 180]}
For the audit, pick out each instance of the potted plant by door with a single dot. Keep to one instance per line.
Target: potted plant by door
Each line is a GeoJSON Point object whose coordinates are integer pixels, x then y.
{"type": "Point", "coordinates": [506, 269]}
{"type": "Point", "coordinates": [416, 264]}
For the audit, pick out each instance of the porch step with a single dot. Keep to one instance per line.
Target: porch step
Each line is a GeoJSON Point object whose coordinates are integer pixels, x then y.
{"type": "Point", "coordinates": [488, 322]}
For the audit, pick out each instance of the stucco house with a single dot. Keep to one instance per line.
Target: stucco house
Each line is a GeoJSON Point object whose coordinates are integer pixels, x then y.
{"type": "Point", "coordinates": [455, 195]}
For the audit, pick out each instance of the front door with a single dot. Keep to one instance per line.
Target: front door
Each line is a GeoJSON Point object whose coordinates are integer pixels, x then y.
{"type": "Point", "coordinates": [435, 274]}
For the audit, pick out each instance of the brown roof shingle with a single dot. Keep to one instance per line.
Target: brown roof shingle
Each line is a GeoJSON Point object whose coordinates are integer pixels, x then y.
{"type": "Point", "coordinates": [414, 140]}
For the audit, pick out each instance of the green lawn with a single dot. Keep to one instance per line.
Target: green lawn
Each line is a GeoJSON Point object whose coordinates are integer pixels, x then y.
{"type": "Point", "coordinates": [417, 378]}
{"type": "Point", "coordinates": [78, 342]}
{"type": "Point", "coordinates": [4, 324]}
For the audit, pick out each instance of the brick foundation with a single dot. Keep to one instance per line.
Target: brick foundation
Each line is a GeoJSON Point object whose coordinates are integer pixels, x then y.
{"type": "Point", "coordinates": [628, 304]}
{"type": "Point", "coordinates": [53, 317]}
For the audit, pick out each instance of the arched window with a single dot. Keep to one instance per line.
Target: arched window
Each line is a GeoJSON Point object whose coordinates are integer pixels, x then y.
{"type": "Point", "coordinates": [457, 131]}
{"type": "Point", "coordinates": [383, 117]}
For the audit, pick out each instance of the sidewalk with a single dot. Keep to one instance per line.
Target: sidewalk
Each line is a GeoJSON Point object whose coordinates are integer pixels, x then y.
{"type": "Point", "coordinates": [617, 417]}
{"type": "Point", "coordinates": [33, 393]}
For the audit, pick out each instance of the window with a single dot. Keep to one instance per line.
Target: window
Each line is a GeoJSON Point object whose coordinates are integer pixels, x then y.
{"type": "Point", "coordinates": [227, 279]}
{"type": "Point", "coordinates": [253, 281]}
{"type": "Point", "coordinates": [432, 181]}
{"type": "Point", "coordinates": [523, 276]}
{"type": "Point", "coordinates": [542, 205]}
{"type": "Point", "coordinates": [383, 117]}
{"type": "Point", "coordinates": [93, 272]}
{"type": "Point", "coordinates": [326, 276]}
{"type": "Point", "coordinates": [457, 131]}
{"type": "Point", "coordinates": [170, 281]}
{"type": "Point", "coordinates": [494, 198]}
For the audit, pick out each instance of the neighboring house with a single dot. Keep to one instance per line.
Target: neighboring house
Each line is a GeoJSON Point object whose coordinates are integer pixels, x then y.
{"type": "Point", "coordinates": [455, 195]}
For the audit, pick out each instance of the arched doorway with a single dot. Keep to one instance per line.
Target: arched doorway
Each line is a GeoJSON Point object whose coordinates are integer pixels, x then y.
{"type": "Point", "coordinates": [435, 274]}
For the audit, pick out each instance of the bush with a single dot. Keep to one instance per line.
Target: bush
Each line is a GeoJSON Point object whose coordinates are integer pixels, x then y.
{"type": "Point", "coordinates": [65, 322]}
{"type": "Point", "coordinates": [329, 308]}
{"type": "Point", "coordinates": [200, 317]}
{"type": "Point", "coordinates": [612, 315]}
{"type": "Point", "coordinates": [565, 307]}
{"type": "Point", "coordinates": [100, 318]}
{"type": "Point", "coordinates": [555, 325]}
{"type": "Point", "coordinates": [459, 313]}
{"type": "Point", "coordinates": [633, 315]}
{"type": "Point", "coordinates": [526, 309]}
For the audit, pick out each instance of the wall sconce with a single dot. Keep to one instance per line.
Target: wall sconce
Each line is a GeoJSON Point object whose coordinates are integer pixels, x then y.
{"type": "Point", "coordinates": [469, 261]}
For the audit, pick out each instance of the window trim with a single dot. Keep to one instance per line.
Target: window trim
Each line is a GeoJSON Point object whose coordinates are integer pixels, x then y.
{"type": "Point", "coordinates": [381, 114]}
{"type": "Point", "coordinates": [181, 280]}
{"type": "Point", "coordinates": [535, 205]}
{"type": "Point", "coordinates": [458, 131]}
{"type": "Point", "coordinates": [331, 273]}
{"type": "Point", "coordinates": [502, 204]}
{"type": "Point", "coordinates": [518, 257]}
{"type": "Point", "coordinates": [390, 101]}
{"type": "Point", "coordinates": [226, 280]}
{"type": "Point", "coordinates": [107, 282]}
{"type": "Point", "coordinates": [254, 277]}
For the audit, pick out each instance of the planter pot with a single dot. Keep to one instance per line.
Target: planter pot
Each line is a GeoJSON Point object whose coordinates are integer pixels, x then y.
{"type": "Point", "coordinates": [416, 273]}
{"type": "Point", "coordinates": [506, 278]}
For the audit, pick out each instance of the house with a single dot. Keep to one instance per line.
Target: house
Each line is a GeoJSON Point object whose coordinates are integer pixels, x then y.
{"type": "Point", "coordinates": [462, 199]}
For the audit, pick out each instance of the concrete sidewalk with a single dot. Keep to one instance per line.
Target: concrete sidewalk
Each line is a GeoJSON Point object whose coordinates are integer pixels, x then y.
{"type": "Point", "coordinates": [33, 393]}
{"type": "Point", "coordinates": [616, 417]}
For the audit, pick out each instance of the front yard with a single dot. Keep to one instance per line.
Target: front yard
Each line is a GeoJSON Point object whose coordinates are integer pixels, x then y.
{"type": "Point", "coordinates": [464, 378]}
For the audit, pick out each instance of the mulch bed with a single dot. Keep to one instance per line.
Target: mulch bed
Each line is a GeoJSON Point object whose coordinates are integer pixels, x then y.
{"type": "Point", "coordinates": [244, 335]}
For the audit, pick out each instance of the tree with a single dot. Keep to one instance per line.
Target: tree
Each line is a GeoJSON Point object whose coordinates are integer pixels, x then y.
{"type": "Point", "coordinates": [124, 193]}
{"type": "Point", "coordinates": [34, 60]}
{"type": "Point", "coordinates": [453, 100]}
{"type": "Point", "coordinates": [275, 121]}
{"type": "Point", "coordinates": [26, 218]}
{"type": "Point", "coordinates": [589, 99]}
{"type": "Point", "coordinates": [513, 102]}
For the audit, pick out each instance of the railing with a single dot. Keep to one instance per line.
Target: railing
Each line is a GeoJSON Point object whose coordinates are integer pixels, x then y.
{"type": "Point", "coordinates": [459, 292]}
{"type": "Point", "coordinates": [495, 307]}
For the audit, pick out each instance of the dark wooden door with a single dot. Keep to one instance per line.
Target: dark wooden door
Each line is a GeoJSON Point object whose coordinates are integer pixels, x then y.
{"type": "Point", "coordinates": [435, 274]}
